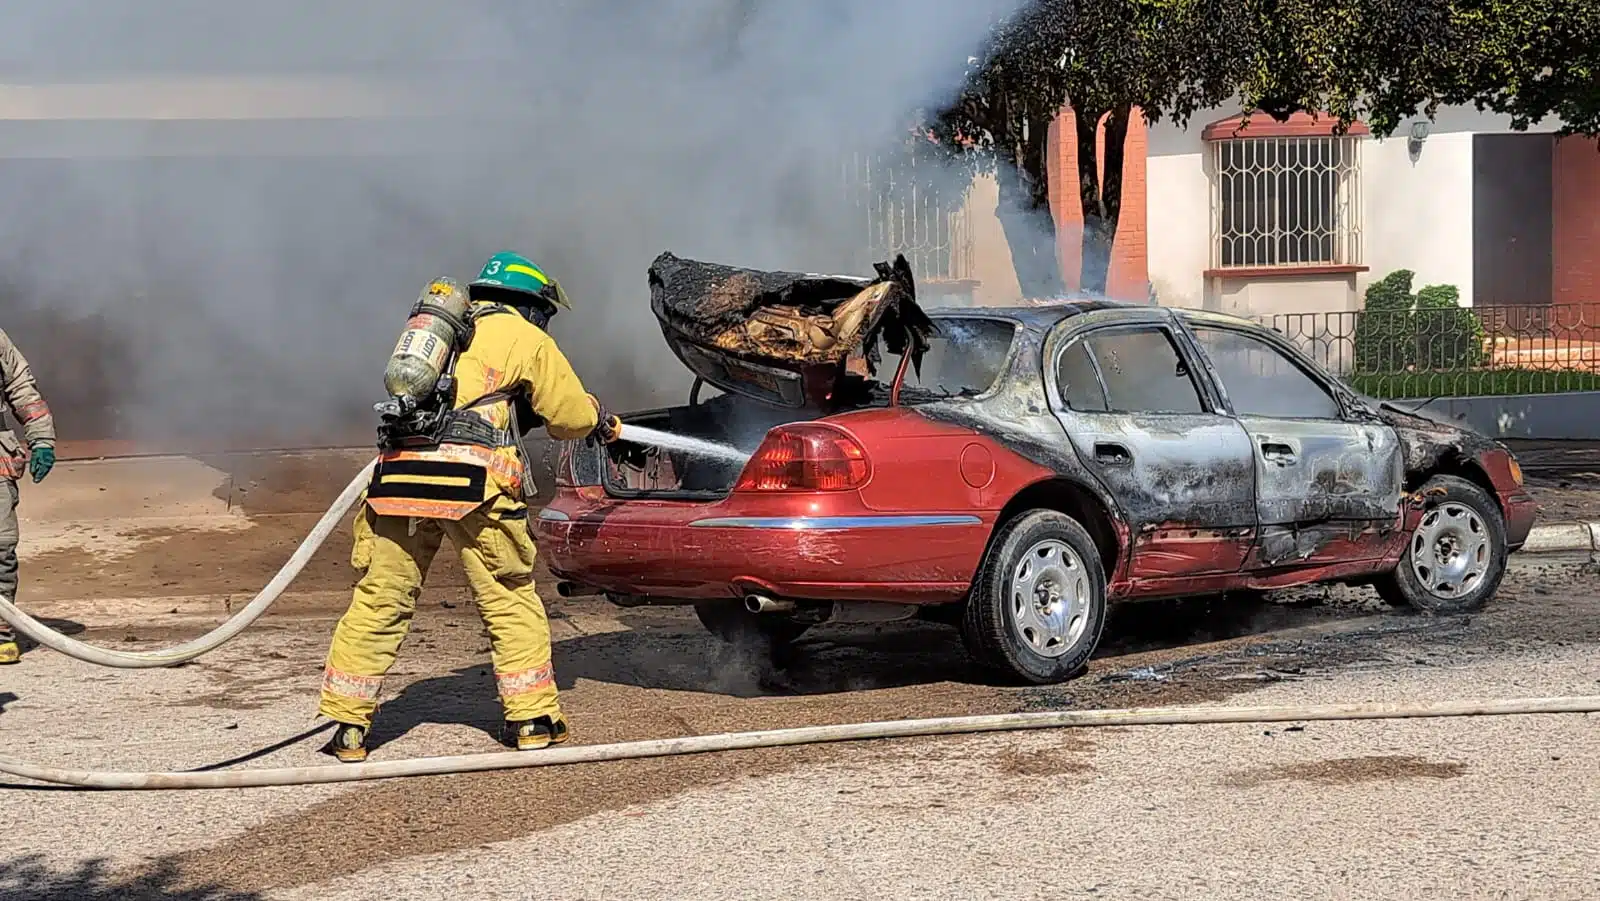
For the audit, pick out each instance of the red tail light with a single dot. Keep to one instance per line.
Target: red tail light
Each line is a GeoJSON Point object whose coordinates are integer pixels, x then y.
{"type": "Point", "coordinates": [809, 457]}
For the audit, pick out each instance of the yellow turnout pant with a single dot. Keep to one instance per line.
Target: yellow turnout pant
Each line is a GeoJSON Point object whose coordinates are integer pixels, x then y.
{"type": "Point", "coordinates": [497, 554]}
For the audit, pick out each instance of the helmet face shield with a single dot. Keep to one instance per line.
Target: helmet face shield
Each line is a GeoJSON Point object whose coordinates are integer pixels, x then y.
{"type": "Point", "coordinates": [557, 296]}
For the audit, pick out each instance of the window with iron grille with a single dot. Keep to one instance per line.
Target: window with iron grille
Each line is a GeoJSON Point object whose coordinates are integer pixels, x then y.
{"type": "Point", "coordinates": [1286, 202]}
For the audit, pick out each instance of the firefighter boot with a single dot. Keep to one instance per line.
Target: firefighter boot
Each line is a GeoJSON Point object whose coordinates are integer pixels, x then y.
{"type": "Point", "coordinates": [349, 743]}
{"type": "Point", "coordinates": [9, 652]}
{"type": "Point", "coordinates": [535, 734]}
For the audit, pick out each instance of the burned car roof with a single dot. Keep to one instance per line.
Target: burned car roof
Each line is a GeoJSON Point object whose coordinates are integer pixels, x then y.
{"type": "Point", "coordinates": [1041, 317]}
{"type": "Point", "coordinates": [791, 339]}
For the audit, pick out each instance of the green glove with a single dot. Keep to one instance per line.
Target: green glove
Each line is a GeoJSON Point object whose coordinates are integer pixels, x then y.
{"type": "Point", "coordinates": [44, 459]}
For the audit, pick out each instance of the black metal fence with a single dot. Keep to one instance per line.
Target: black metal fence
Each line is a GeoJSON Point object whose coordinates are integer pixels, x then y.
{"type": "Point", "coordinates": [915, 205]}
{"type": "Point", "coordinates": [1455, 351]}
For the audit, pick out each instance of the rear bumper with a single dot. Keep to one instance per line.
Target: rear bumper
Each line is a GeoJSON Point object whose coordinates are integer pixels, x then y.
{"type": "Point", "coordinates": [712, 553]}
{"type": "Point", "coordinates": [1520, 512]}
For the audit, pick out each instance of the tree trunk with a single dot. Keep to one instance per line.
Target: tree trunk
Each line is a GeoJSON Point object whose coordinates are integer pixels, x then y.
{"type": "Point", "coordinates": [1025, 216]}
{"type": "Point", "coordinates": [1102, 203]}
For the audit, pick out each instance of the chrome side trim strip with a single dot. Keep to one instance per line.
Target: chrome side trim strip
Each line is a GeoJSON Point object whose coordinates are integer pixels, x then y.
{"type": "Point", "coordinates": [809, 523]}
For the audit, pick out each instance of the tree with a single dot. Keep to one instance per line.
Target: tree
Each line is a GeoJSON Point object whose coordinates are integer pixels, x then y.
{"type": "Point", "coordinates": [1544, 61]}
{"type": "Point", "coordinates": [1109, 60]}
{"type": "Point", "coordinates": [1385, 61]}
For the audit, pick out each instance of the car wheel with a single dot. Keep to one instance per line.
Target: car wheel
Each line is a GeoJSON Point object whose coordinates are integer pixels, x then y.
{"type": "Point", "coordinates": [1454, 561]}
{"type": "Point", "coordinates": [763, 633]}
{"type": "Point", "coordinates": [1038, 604]}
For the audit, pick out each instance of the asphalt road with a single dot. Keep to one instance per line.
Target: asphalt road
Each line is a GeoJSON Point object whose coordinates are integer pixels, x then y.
{"type": "Point", "coordinates": [1486, 808]}
{"type": "Point", "coordinates": [1557, 457]}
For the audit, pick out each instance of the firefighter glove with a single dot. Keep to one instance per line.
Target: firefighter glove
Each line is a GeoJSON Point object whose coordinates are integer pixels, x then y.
{"type": "Point", "coordinates": [43, 460]}
{"type": "Point", "coordinates": [609, 428]}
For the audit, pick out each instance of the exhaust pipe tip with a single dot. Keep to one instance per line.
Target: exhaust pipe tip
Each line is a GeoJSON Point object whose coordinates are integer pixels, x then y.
{"type": "Point", "coordinates": [760, 603]}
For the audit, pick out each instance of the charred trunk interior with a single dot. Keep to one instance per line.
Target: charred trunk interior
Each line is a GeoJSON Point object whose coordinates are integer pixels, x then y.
{"type": "Point", "coordinates": [637, 470]}
{"type": "Point", "coordinates": [964, 360]}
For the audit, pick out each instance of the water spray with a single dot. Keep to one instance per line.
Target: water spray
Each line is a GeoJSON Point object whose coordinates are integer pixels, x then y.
{"type": "Point", "coordinates": [639, 434]}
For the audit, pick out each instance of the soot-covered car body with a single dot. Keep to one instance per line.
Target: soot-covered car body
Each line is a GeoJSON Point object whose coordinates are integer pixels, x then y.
{"type": "Point", "coordinates": [1034, 464]}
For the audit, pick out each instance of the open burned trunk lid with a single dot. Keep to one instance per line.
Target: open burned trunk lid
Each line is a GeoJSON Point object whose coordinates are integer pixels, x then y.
{"type": "Point", "coordinates": [784, 338]}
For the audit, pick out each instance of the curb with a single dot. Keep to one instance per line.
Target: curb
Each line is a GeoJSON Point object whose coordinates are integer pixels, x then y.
{"type": "Point", "coordinates": [1563, 536]}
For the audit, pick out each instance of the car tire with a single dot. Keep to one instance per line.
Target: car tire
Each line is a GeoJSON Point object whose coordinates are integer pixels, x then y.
{"type": "Point", "coordinates": [1038, 605]}
{"type": "Point", "coordinates": [1456, 558]}
{"type": "Point", "coordinates": [764, 634]}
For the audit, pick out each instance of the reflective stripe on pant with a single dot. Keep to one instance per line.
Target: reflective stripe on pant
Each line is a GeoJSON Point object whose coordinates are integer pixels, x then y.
{"type": "Point", "coordinates": [8, 548]}
{"type": "Point", "coordinates": [497, 555]}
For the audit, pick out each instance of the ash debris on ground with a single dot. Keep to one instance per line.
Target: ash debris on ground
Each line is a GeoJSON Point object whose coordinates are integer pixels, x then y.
{"type": "Point", "coordinates": [1255, 650]}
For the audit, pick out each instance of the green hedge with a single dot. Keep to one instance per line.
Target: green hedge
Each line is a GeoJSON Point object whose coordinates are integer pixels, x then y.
{"type": "Point", "coordinates": [1472, 383]}
{"type": "Point", "coordinates": [1398, 330]}
{"type": "Point", "coordinates": [1448, 335]}
{"type": "Point", "coordinates": [1385, 337]}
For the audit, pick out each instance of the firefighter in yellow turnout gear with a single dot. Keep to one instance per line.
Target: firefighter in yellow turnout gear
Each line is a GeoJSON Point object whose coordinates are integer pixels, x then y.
{"type": "Point", "coordinates": [460, 475]}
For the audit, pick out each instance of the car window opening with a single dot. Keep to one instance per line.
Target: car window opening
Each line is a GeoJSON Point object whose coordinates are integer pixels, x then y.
{"type": "Point", "coordinates": [1127, 371]}
{"type": "Point", "coordinates": [1263, 381]}
{"type": "Point", "coordinates": [964, 359]}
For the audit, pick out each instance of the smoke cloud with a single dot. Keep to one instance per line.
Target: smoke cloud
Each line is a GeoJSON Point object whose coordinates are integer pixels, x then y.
{"type": "Point", "coordinates": [237, 254]}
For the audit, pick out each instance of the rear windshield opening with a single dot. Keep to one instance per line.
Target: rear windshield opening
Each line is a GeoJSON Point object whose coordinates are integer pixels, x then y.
{"type": "Point", "coordinates": [964, 359]}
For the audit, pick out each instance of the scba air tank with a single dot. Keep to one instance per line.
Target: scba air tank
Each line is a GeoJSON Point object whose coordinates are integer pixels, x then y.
{"type": "Point", "coordinates": [438, 322]}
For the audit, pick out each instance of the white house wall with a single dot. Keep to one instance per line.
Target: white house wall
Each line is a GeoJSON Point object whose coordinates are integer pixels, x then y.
{"type": "Point", "coordinates": [992, 266]}
{"type": "Point", "coordinates": [1415, 214]}
{"type": "Point", "coordinates": [1418, 214]}
{"type": "Point", "coordinates": [1179, 212]}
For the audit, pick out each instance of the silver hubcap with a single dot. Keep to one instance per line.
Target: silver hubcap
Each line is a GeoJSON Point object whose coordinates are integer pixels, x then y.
{"type": "Point", "coordinates": [1050, 598]}
{"type": "Point", "coordinates": [1450, 552]}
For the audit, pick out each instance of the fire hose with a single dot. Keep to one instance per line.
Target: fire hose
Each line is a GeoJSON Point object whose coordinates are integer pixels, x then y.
{"type": "Point", "coordinates": [669, 747]}
{"type": "Point", "coordinates": [210, 641]}
{"type": "Point", "coordinates": [734, 741]}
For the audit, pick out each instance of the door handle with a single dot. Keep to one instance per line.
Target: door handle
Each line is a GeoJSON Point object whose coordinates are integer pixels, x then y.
{"type": "Point", "coordinates": [1281, 454]}
{"type": "Point", "coordinates": [1112, 454]}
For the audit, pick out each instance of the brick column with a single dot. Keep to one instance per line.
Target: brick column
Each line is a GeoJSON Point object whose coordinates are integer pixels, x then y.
{"type": "Point", "coordinates": [1575, 219]}
{"type": "Point", "coordinates": [1129, 277]}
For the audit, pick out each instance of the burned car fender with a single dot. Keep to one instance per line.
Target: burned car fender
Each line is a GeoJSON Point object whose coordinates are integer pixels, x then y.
{"type": "Point", "coordinates": [1058, 479]}
{"type": "Point", "coordinates": [1432, 447]}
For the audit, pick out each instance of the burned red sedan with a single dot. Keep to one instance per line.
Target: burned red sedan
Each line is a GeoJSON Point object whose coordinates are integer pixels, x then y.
{"type": "Point", "coordinates": [1014, 472]}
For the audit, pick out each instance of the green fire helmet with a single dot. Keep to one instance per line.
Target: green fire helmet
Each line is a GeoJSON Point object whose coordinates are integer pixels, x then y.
{"type": "Point", "coordinates": [514, 272]}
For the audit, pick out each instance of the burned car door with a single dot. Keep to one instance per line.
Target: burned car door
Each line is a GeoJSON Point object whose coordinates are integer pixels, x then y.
{"type": "Point", "coordinates": [1147, 427]}
{"type": "Point", "coordinates": [1327, 489]}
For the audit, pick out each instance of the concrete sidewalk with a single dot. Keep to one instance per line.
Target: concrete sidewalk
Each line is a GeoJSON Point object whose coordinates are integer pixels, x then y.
{"type": "Point", "coordinates": [1557, 537]}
